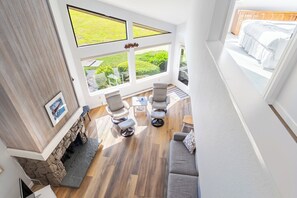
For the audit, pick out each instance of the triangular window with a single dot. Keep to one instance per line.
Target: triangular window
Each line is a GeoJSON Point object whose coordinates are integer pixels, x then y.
{"type": "Point", "coordinates": [145, 31]}
{"type": "Point", "coordinates": [94, 28]}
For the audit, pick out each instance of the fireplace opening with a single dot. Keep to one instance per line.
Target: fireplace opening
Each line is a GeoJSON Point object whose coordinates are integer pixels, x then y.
{"type": "Point", "coordinates": [74, 146]}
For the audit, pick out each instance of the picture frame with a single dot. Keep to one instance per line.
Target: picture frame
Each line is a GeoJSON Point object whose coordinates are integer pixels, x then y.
{"type": "Point", "coordinates": [56, 108]}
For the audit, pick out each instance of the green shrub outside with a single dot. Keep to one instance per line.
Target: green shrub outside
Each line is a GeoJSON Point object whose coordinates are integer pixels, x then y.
{"type": "Point", "coordinates": [142, 68]}
{"type": "Point", "coordinates": [106, 69]}
{"type": "Point", "coordinates": [148, 63]}
{"type": "Point", "coordinates": [158, 58]}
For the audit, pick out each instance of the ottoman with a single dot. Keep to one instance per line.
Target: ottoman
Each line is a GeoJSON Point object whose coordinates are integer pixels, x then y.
{"type": "Point", "coordinates": [127, 127]}
{"type": "Point", "coordinates": [157, 120]}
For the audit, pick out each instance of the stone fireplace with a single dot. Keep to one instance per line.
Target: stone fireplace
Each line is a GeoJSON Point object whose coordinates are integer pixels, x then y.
{"type": "Point", "coordinates": [52, 170]}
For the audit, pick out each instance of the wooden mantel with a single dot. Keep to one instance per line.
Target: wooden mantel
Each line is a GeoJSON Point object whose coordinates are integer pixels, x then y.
{"type": "Point", "coordinates": [32, 71]}
{"type": "Point", "coordinates": [52, 144]}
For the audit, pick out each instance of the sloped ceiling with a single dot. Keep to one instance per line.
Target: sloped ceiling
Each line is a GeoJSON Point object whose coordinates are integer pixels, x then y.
{"type": "Point", "coordinates": [171, 11]}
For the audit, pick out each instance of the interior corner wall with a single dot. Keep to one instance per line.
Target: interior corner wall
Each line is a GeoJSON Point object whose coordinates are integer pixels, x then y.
{"type": "Point", "coordinates": [227, 163]}
{"type": "Point", "coordinates": [273, 5]}
{"type": "Point", "coordinates": [9, 179]}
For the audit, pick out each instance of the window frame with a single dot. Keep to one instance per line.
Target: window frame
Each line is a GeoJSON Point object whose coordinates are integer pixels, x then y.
{"type": "Point", "coordinates": [182, 47]}
{"type": "Point", "coordinates": [111, 87]}
{"type": "Point", "coordinates": [169, 45]}
{"type": "Point", "coordinates": [95, 13]}
{"type": "Point", "coordinates": [75, 54]}
{"type": "Point", "coordinates": [154, 29]}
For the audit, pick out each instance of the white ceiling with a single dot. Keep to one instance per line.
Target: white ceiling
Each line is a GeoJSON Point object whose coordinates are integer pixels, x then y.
{"type": "Point", "coordinates": [171, 11]}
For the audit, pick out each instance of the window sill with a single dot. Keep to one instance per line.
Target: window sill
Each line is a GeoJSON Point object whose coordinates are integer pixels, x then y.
{"type": "Point", "coordinates": [156, 76]}
{"type": "Point", "coordinates": [103, 91]}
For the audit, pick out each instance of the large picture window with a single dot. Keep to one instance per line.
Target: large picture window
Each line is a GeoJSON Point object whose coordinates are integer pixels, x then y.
{"type": "Point", "coordinates": [93, 28]}
{"type": "Point", "coordinates": [125, 59]}
{"type": "Point", "coordinates": [151, 61]}
{"type": "Point", "coordinates": [106, 71]}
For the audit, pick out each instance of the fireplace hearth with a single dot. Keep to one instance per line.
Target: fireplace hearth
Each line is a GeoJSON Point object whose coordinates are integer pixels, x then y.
{"type": "Point", "coordinates": [52, 171]}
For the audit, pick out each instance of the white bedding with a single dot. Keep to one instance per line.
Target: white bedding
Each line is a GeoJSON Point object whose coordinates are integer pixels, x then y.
{"type": "Point", "coordinates": [265, 40]}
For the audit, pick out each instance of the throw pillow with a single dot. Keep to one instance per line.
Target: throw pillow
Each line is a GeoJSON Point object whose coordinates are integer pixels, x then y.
{"type": "Point", "coordinates": [189, 142]}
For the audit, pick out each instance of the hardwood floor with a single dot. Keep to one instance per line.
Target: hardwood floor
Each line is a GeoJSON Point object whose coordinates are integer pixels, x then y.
{"type": "Point", "coordinates": [129, 167]}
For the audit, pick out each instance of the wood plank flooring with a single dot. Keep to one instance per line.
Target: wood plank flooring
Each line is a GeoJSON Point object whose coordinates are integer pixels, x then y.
{"type": "Point", "coordinates": [129, 167]}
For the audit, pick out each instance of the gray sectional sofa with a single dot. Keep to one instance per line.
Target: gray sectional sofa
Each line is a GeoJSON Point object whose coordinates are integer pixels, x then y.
{"type": "Point", "coordinates": [183, 176]}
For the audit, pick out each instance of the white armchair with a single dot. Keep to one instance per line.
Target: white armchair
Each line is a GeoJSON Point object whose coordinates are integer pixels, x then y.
{"type": "Point", "coordinates": [116, 107]}
{"type": "Point", "coordinates": [159, 100]}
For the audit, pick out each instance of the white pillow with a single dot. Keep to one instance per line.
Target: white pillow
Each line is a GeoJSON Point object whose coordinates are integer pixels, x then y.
{"type": "Point", "coordinates": [189, 142]}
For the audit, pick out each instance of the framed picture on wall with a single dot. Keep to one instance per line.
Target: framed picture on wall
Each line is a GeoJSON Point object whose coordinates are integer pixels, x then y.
{"type": "Point", "coordinates": [56, 108]}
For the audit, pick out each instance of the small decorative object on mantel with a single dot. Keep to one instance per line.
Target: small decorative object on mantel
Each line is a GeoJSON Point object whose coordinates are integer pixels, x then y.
{"type": "Point", "coordinates": [56, 108]}
{"type": "Point", "coordinates": [131, 45]}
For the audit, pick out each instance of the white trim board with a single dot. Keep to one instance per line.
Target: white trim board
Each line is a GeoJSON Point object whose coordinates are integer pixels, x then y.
{"type": "Point", "coordinates": [286, 116]}
{"type": "Point", "coordinates": [51, 146]}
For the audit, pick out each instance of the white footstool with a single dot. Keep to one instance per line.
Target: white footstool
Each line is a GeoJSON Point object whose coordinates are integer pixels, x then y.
{"type": "Point", "coordinates": [158, 117]}
{"type": "Point", "coordinates": [127, 127]}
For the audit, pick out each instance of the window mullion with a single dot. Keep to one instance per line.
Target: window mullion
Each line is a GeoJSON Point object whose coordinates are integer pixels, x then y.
{"type": "Point", "coordinates": [131, 53]}
{"type": "Point", "coordinates": [132, 69]}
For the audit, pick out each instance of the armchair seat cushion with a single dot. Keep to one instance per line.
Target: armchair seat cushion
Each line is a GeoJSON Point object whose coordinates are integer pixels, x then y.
{"type": "Point", "coordinates": [159, 105]}
{"type": "Point", "coordinates": [182, 186]}
{"type": "Point", "coordinates": [181, 161]}
{"type": "Point", "coordinates": [120, 113]}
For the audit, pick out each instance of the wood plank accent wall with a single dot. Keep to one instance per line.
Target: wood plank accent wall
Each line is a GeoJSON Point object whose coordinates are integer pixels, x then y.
{"type": "Point", "coordinates": [242, 15]}
{"type": "Point", "coordinates": [32, 71]}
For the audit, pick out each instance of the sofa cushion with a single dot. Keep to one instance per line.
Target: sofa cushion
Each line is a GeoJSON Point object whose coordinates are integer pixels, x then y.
{"type": "Point", "coordinates": [180, 160]}
{"type": "Point", "coordinates": [182, 186]}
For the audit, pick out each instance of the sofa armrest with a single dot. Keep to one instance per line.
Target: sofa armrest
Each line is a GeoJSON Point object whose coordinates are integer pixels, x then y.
{"type": "Point", "coordinates": [179, 136]}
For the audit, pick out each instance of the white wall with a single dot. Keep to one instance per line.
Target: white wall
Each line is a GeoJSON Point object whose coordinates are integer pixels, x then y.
{"type": "Point", "coordinates": [218, 20]}
{"type": "Point", "coordinates": [275, 5]}
{"type": "Point", "coordinates": [229, 166]}
{"type": "Point", "coordinates": [9, 179]}
{"type": "Point", "coordinates": [286, 102]}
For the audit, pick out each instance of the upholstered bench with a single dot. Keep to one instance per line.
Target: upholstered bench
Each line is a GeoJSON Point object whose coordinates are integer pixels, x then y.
{"type": "Point", "coordinates": [183, 176]}
{"type": "Point", "coordinates": [158, 117]}
{"type": "Point", "coordinates": [127, 127]}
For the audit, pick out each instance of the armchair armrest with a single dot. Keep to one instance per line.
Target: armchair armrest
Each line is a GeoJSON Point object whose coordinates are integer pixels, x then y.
{"type": "Point", "coordinates": [179, 136]}
{"type": "Point", "coordinates": [167, 100]}
{"type": "Point", "coordinates": [108, 110]}
{"type": "Point", "coordinates": [150, 99]}
{"type": "Point", "coordinates": [126, 105]}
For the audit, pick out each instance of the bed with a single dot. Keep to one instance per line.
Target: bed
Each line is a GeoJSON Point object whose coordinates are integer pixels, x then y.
{"type": "Point", "coordinates": [265, 40]}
